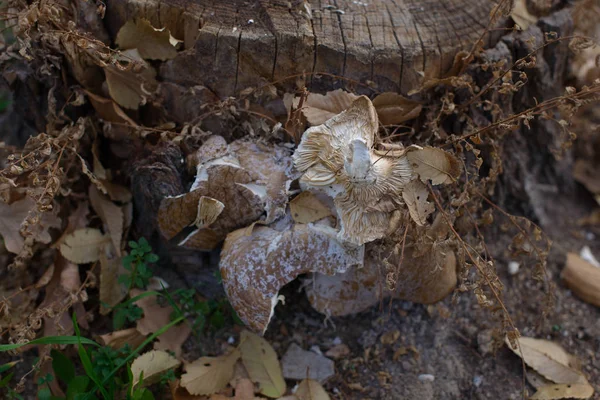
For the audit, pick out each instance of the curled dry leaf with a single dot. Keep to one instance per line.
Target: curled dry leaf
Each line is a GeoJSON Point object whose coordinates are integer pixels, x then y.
{"type": "Point", "coordinates": [108, 110]}
{"type": "Point", "coordinates": [582, 278]}
{"type": "Point", "coordinates": [337, 158]}
{"type": "Point", "coordinates": [319, 108]}
{"type": "Point", "coordinates": [552, 362]}
{"type": "Point", "coordinates": [435, 164]}
{"type": "Point", "coordinates": [393, 108]}
{"type": "Point", "coordinates": [262, 364]}
{"type": "Point", "coordinates": [84, 245]}
{"type": "Point", "coordinates": [12, 217]}
{"type": "Point", "coordinates": [306, 208]}
{"type": "Point", "coordinates": [415, 195]}
{"type": "Point", "coordinates": [255, 267]}
{"type": "Point", "coordinates": [152, 364]}
{"type": "Point", "coordinates": [249, 179]}
{"type": "Point", "coordinates": [310, 389]}
{"type": "Point", "coordinates": [208, 375]}
{"type": "Point", "coordinates": [152, 43]}
{"type": "Point", "coordinates": [155, 317]}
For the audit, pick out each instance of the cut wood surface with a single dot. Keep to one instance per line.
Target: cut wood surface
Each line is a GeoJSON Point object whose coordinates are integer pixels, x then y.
{"type": "Point", "coordinates": [231, 45]}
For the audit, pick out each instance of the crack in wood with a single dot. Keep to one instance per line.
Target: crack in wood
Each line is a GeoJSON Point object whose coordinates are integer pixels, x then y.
{"type": "Point", "coordinates": [399, 46]}
{"type": "Point", "coordinates": [424, 51]}
{"type": "Point", "coordinates": [339, 18]}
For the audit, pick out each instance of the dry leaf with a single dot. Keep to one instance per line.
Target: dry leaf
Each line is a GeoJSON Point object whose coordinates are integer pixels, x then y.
{"type": "Point", "coordinates": [14, 214]}
{"type": "Point", "coordinates": [435, 164]}
{"type": "Point", "coordinates": [552, 362]}
{"type": "Point", "coordinates": [152, 364]}
{"type": "Point", "coordinates": [338, 351]}
{"type": "Point", "coordinates": [118, 339]}
{"type": "Point", "coordinates": [128, 88]}
{"type": "Point", "coordinates": [152, 43]}
{"type": "Point", "coordinates": [319, 108]}
{"type": "Point", "coordinates": [111, 291]}
{"type": "Point", "coordinates": [415, 195]}
{"type": "Point", "coordinates": [84, 245]}
{"type": "Point", "coordinates": [586, 172]}
{"type": "Point", "coordinates": [262, 364]}
{"type": "Point", "coordinates": [582, 278]}
{"type": "Point", "coordinates": [521, 15]}
{"type": "Point", "coordinates": [209, 375]}
{"type": "Point", "coordinates": [109, 111]}
{"type": "Point", "coordinates": [255, 267]}
{"type": "Point", "coordinates": [310, 389]}
{"type": "Point", "coordinates": [306, 208]}
{"type": "Point", "coordinates": [110, 214]}
{"type": "Point", "coordinates": [155, 317]}
{"type": "Point", "coordinates": [393, 109]}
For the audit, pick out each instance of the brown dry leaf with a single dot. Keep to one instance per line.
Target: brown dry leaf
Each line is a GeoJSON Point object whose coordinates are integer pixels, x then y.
{"type": "Point", "coordinates": [111, 291]}
{"type": "Point", "coordinates": [152, 364]}
{"type": "Point", "coordinates": [118, 339]}
{"type": "Point", "coordinates": [108, 110]}
{"type": "Point", "coordinates": [152, 43]}
{"type": "Point", "coordinates": [179, 393]}
{"type": "Point", "coordinates": [110, 214]}
{"type": "Point", "coordinates": [319, 108]}
{"type": "Point", "coordinates": [415, 195]}
{"type": "Point", "coordinates": [128, 88]}
{"type": "Point", "coordinates": [582, 278]}
{"type": "Point", "coordinates": [155, 317]}
{"type": "Point", "coordinates": [393, 109]}
{"type": "Point", "coordinates": [14, 214]}
{"type": "Point", "coordinates": [209, 210]}
{"type": "Point", "coordinates": [338, 351]}
{"type": "Point", "coordinates": [306, 208]}
{"type": "Point", "coordinates": [552, 362]}
{"type": "Point", "coordinates": [435, 164]}
{"type": "Point", "coordinates": [262, 364]}
{"type": "Point", "coordinates": [208, 375]}
{"type": "Point", "coordinates": [84, 245]}
{"type": "Point", "coordinates": [586, 172]}
{"type": "Point", "coordinates": [310, 389]}
{"type": "Point", "coordinates": [255, 267]}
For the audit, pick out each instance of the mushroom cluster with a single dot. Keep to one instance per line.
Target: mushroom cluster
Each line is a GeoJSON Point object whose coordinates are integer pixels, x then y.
{"type": "Point", "coordinates": [354, 195]}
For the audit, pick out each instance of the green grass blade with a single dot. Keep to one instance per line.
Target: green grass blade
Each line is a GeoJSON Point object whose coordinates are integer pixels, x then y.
{"type": "Point", "coordinates": [50, 340]}
{"type": "Point", "coordinates": [87, 362]}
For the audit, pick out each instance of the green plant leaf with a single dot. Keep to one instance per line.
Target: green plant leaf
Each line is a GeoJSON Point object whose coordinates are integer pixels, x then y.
{"type": "Point", "coordinates": [87, 363]}
{"type": "Point", "coordinates": [63, 367]}
{"type": "Point", "coordinates": [78, 385]}
{"type": "Point", "coordinates": [5, 380]}
{"type": "Point", "coordinates": [44, 394]}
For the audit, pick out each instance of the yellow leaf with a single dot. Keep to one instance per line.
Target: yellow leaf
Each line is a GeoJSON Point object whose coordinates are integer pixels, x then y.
{"type": "Point", "coordinates": [435, 164]}
{"type": "Point", "coordinates": [262, 364]}
{"type": "Point", "coordinates": [310, 389]}
{"type": "Point", "coordinates": [209, 375]}
{"type": "Point", "coordinates": [83, 245]}
{"type": "Point", "coordinates": [152, 43]}
{"type": "Point", "coordinates": [415, 195]}
{"type": "Point", "coordinates": [307, 208]}
{"type": "Point", "coordinates": [564, 391]}
{"type": "Point", "coordinates": [152, 364]}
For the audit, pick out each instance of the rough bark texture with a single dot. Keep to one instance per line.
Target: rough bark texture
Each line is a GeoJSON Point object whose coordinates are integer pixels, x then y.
{"type": "Point", "coordinates": [231, 45]}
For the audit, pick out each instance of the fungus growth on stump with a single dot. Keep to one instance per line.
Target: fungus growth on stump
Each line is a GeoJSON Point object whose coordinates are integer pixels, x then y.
{"type": "Point", "coordinates": [358, 195]}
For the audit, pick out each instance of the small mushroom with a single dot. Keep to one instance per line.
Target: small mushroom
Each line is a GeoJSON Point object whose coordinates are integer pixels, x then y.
{"type": "Point", "coordinates": [338, 158]}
